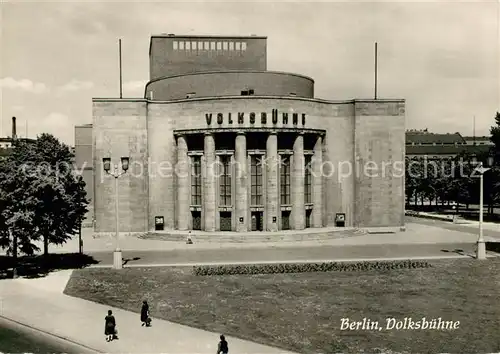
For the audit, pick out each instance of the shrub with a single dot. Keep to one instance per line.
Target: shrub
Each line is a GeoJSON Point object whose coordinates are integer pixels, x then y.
{"type": "Point", "coordinates": [280, 268]}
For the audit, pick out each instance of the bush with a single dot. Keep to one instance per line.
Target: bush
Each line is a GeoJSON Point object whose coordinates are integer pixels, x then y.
{"type": "Point", "coordinates": [280, 268]}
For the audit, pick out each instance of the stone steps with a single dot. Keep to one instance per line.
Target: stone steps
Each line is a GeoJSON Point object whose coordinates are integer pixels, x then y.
{"type": "Point", "coordinates": [252, 237]}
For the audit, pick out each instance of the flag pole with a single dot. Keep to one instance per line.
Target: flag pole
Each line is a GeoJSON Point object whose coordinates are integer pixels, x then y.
{"type": "Point", "coordinates": [376, 58]}
{"type": "Point", "coordinates": [120, 59]}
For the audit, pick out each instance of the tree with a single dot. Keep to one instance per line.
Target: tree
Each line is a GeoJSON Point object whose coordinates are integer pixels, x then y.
{"type": "Point", "coordinates": [495, 135]}
{"type": "Point", "coordinates": [57, 196]}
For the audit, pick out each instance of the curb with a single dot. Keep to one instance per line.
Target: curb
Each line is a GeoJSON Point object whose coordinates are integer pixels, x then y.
{"type": "Point", "coordinates": [191, 264]}
{"type": "Point", "coordinates": [7, 319]}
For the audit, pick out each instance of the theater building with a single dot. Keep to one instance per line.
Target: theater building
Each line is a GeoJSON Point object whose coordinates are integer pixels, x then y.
{"type": "Point", "coordinates": [220, 143]}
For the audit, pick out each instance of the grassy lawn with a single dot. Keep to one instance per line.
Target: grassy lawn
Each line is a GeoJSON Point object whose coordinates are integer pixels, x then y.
{"type": "Point", "coordinates": [302, 312]}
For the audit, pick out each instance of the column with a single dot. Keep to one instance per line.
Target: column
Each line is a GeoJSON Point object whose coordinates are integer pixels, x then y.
{"type": "Point", "coordinates": [183, 184]}
{"type": "Point", "coordinates": [241, 182]}
{"type": "Point", "coordinates": [272, 182]}
{"type": "Point", "coordinates": [297, 184]}
{"type": "Point", "coordinates": [317, 184]}
{"type": "Point", "coordinates": [209, 187]}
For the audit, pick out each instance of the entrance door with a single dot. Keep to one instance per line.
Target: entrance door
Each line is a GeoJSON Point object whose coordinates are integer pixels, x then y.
{"type": "Point", "coordinates": [257, 221]}
{"type": "Point", "coordinates": [225, 221]}
{"type": "Point", "coordinates": [308, 218]}
{"type": "Point", "coordinates": [196, 215]}
{"type": "Point", "coordinates": [285, 220]}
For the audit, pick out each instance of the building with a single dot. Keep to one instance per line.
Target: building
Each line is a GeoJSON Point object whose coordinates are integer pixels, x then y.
{"type": "Point", "coordinates": [6, 142]}
{"type": "Point", "coordinates": [219, 143]}
{"type": "Point", "coordinates": [424, 144]}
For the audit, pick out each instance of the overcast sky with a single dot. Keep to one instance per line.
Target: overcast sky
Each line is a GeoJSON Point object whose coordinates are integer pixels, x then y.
{"type": "Point", "coordinates": [442, 57]}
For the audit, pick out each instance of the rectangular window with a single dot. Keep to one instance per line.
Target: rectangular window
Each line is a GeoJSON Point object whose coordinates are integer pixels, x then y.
{"type": "Point", "coordinates": [243, 46]}
{"type": "Point", "coordinates": [181, 45]}
{"type": "Point", "coordinates": [194, 46]}
{"type": "Point", "coordinates": [308, 180]}
{"type": "Point", "coordinates": [256, 180]}
{"type": "Point", "coordinates": [231, 45]}
{"type": "Point", "coordinates": [285, 179]}
{"type": "Point", "coordinates": [238, 45]}
{"type": "Point", "coordinates": [224, 45]}
{"type": "Point", "coordinates": [188, 45]}
{"type": "Point", "coordinates": [219, 45]}
{"type": "Point", "coordinates": [207, 45]}
{"type": "Point", "coordinates": [176, 45]}
{"type": "Point", "coordinates": [225, 180]}
{"type": "Point", "coordinates": [200, 45]}
{"type": "Point", "coordinates": [212, 45]}
{"type": "Point", "coordinates": [196, 180]}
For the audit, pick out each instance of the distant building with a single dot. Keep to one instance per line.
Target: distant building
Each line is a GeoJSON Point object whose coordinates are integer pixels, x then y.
{"type": "Point", "coordinates": [478, 140]}
{"type": "Point", "coordinates": [422, 143]}
{"type": "Point", "coordinates": [6, 142]}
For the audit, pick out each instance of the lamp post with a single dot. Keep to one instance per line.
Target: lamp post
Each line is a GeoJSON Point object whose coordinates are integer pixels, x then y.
{"type": "Point", "coordinates": [481, 246]}
{"type": "Point", "coordinates": [117, 254]}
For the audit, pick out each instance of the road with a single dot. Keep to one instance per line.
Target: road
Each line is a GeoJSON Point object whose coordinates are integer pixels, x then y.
{"type": "Point", "coordinates": [311, 253]}
{"type": "Point", "coordinates": [17, 338]}
{"type": "Point", "coordinates": [454, 227]}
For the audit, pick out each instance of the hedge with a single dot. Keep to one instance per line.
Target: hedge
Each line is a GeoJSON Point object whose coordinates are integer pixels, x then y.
{"type": "Point", "coordinates": [308, 267]}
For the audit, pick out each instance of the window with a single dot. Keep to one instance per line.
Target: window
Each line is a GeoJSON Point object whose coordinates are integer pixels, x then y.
{"type": "Point", "coordinates": [285, 179]}
{"type": "Point", "coordinates": [225, 180]}
{"type": "Point", "coordinates": [308, 180]}
{"type": "Point", "coordinates": [200, 45]}
{"type": "Point", "coordinates": [224, 45]}
{"type": "Point", "coordinates": [256, 180]}
{"type": "Point", "coordinates": [231, 45]}
{"type": "Point", "coordinates": [243, 46]}
{"type": "Point", "coordinates": [188, 45]}
{"type": "Point", "coordinates": [181, 45]}
{"type": "Point", "coordinates": [207, 45]}
{"type": "Point", "coordinates": [176, 45]}
{"type": "Point", "coordinates": [193, 45]}
{"type": "Point", "coordinates": [196, 180]}
{"type": "Point", "coordinates": [238, 45]}
{"type": "Point", "coordinates": [219, 46]}
{"type": "Point", "coordinates": [212, 45]}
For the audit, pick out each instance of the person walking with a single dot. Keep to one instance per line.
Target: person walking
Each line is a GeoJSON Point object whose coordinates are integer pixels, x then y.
{"type": "Point", "coordinates": [145, 319]}
{"type": "Point", "coordinates": [222, 348]}
{"type": "Point", "coordinates": [109, 326]}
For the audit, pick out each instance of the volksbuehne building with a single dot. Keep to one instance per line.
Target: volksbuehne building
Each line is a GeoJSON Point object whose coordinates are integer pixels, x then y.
{"type": "Point", "coordinates": [220, 143]}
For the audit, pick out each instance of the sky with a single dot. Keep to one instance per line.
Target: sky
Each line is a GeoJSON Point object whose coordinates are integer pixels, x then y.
{"type": "Point", "coordinates": [442, 57]}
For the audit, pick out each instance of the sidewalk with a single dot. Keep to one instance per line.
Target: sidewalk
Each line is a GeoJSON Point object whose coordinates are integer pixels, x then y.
{"type": "Point", "coordinates": [40, 303]}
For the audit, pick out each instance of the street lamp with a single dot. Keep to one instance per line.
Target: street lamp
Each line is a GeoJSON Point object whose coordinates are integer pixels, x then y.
{"type": "Point", "coordinates": [117, 254]}
{"type": "Point", "coordinates": [481, 246]}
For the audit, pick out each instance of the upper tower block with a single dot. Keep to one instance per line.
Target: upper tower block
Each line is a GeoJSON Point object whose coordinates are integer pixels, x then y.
{"type": "Point", "coordinates": [171, 55]}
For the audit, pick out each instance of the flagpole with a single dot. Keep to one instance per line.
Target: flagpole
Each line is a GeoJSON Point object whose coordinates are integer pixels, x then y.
{"type": "Point", "coordinates": [376, 58]}
{"type": "Point", "coordinates": [120, 59]}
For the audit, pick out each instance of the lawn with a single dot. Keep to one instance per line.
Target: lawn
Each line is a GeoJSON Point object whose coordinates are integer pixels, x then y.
{"type": "Point", "coordinates": [303, 312]}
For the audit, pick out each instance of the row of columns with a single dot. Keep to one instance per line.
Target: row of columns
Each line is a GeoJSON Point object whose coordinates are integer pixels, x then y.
{"type": "Point", "coordinates": [272, 196]}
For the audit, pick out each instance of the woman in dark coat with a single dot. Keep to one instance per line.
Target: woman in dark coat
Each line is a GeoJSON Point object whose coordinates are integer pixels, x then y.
{"type": "Point", "coordinates": [145, 314]}
{"type": "Point", "coordinates": [109, 326]}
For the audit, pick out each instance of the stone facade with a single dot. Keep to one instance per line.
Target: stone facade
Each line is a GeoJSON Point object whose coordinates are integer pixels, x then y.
{"type": "Point", "coordinates": [357, 159]}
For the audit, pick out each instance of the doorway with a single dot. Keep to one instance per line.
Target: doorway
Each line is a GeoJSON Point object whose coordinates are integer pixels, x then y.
{"type": "Point", "coordinates": [196, 215]}
{"type": "Point", "coordinates": [308, 218]}
{"type": "Point", "coordinates": [257, 221]}
{"type": "Point", "coordinates": [285, 220]}
{"type": "Point", "coordinates": [225, 221]}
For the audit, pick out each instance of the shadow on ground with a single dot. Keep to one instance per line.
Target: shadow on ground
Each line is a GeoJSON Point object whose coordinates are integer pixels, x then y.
{"type": "Point", "coordinates": [40, 265]}
{"type": "Point", "coordinates": [493, 247]}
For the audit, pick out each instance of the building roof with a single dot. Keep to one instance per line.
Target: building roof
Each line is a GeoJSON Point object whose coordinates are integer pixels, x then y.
{"type": "Point", "coordinates": [445, 149]}
{"type": "Point", "coordinates": [477, 137]}
{"type": "Point", "coordinates": [419, 137]}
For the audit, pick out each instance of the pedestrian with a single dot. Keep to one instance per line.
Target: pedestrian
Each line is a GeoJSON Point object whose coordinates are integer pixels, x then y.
{"type": "Point", "coordinates": [145, 319]}
{"type": "Point", "coordinates": [223, 347]}
{"type": "Point", "coordinates": [110, 326]}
